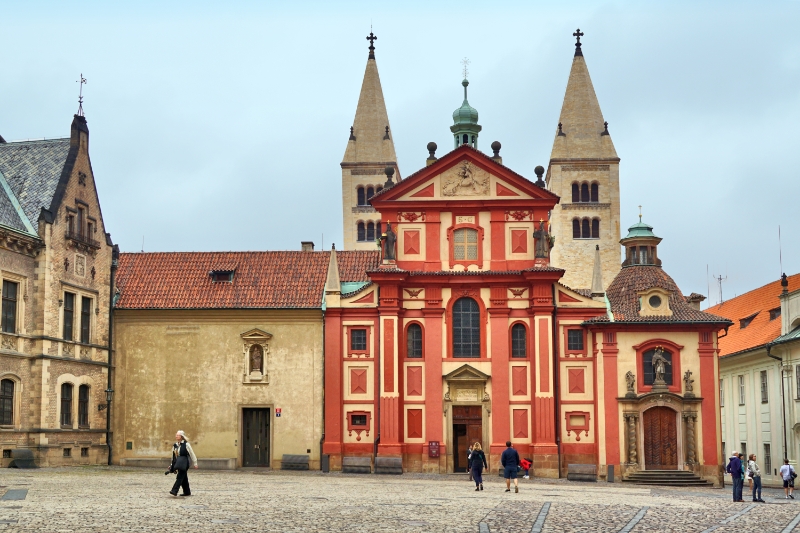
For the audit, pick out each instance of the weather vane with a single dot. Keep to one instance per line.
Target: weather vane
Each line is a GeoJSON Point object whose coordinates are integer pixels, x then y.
{"type": "Point", "coordinates": [466, 63]}
{"type": "Point", "coordinates": [82, 82]}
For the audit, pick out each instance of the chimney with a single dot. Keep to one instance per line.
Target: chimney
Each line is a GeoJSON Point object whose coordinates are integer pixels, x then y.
{"type": "Point", "coordinates": [307, 246]}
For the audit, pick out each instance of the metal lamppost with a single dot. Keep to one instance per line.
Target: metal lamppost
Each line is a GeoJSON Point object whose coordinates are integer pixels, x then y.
{"type": "Point", "coordinates": [107, 408]}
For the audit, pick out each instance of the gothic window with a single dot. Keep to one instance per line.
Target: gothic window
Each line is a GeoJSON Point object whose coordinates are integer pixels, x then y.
{"type": "Point", "coordinates": [370, 193]}
{"type": "Point", "coordinates": [6, 402]}
{"type": "Point", "coordinates": [519, 341]}
{"type": "Point", "coordinates": [371, 231]}
{"type": "Point", "coordinates": [466, 328]}
{"type": "Point", "coordinates": [83, 406]}
{"type": "Point", "coordinates": [362, 232]}
{"type": "Point", "coordinates": [595, 228]}
{"type": "Point", "coordinates": [361, 198]}
{"type": "Point", "coordinates": [595, 194]}
{"type": "Point", "coordinates": [647, 367]}
{"type": "Point", "coordinates": [576, 228]}
{"type": "Point", "coordinates": [66, 404]}
{"type": "Point", "coordinates": [585, 230]}
{"type": "Point", "coordinates": [576, 193]}
{"type": "Point", "coordinates": [69, 314]}
{"type": "Point", "coordinates": [9, 309]}
{"type": "Point", "coordinates": [465, 244]}
{"type": "Point", "coordinates": [585, 192]}
{"type": "Point", "coordinates": [414, 341]}
{"type": "Point", "coordinates": [86, 318]}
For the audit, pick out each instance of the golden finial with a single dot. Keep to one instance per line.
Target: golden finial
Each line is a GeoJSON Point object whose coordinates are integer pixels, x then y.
{"type": "Point", "coordinates": [640, 213]}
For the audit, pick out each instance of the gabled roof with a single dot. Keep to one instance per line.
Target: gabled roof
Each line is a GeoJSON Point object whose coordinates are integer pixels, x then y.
{"type": "Point", "coordinates": [262, 280]}
{"type": "Point", "coordinates": [761, 328]}
{"type": "Point", "coordinates": [453, 158]}
{"type": "Point", "coordinates": [623, 297]}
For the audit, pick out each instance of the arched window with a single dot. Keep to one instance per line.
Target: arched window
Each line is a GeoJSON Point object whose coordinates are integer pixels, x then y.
{"type": "Point", "coordinates": [378, 189]}
{"type": "Point", "coordinates": [466, 328]}
{"type": "Point", "coordinates": [576, 193]}
{"type": "Point", "coordinates": [585, 229]}
{"type": "Point", "coordinates": [465, 139]}
{"type": "Point", "coordinates": [465, 244]}
{"type": "Point", "coordinates": [66, 404]}
{"type": "Point", "coordinates": [361, 198]}
{"type": "Point", "coordinates": [595, 193]}
{"type": "Point", "coordinates": [519, 341]}
{"type": "Point", "coordinates": [370, 231]}
{"type": "Point", "coordinates": [647, 367]}
{"type": "Point", "coordinates": [576, 228]}
{"type": "Point", "coordinates": [595, 228]}
{"type": "Point", "coordinates": [83, 406]}
{"type": "Point", "coordinates": [362, 232]}
{"type": "Point", "coordinates": [585, 192]}
{"type": "Point", "coordinates": [370, 193]}
{"type": "Point", "coordinates": [414, 341]}
{"type": "Point", "coordinates": [6, 402]}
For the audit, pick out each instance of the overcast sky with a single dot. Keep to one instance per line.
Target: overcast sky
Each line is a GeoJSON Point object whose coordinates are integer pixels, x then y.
{"type": "Point", "coordinates": [221, 125]}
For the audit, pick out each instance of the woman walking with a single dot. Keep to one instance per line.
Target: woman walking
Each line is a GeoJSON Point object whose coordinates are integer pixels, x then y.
{"type": "Point", "coordinates": [478, 464]}
{"type": "Point", "coordinates": [755, 475]}
{"type": "Point", "coordinates": [183, 457]}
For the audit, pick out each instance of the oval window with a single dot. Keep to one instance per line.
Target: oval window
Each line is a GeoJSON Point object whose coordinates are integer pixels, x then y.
{"type": "Point", "coordinates": [655, 301]}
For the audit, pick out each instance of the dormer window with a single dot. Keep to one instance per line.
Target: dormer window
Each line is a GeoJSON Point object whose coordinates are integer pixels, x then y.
{"type": "Point", "coordinates": [744, 322]}
{"type": "Point", "coordinates": [219, 276]}
{"type": "Point", "coordinates": [774, 313]}
{"type": "Point", "coordinates": [654, 302]}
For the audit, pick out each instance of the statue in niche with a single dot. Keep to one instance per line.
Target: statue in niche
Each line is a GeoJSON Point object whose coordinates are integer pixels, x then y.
{"type": "Point", "coordinates": [256, 359]}
{"type": "Point", "coordinates": [543, 241]}
{"type": "Point", "coordinates": [688, 388]}
{"type": "Point", "coordinates": [630, 383]}
{"type": "Point", "coordinates": [389, 251]}
{"type": "Point", "coordinates": [660, 365]}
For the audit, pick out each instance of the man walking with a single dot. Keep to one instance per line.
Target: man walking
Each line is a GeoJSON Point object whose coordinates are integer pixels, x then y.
{"type": "Point", "coordinates": [510, 461]}
{"type": "Point", "coordinates": [788, 474]}
{"type": "Point", "coordinates": [734, 468]}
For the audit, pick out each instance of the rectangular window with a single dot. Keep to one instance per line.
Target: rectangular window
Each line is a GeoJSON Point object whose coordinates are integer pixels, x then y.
{"type": "Point", "coordinates": [722, 393]}
{"type": "Point", "coordinates": [66, 405]}
{"type": "Point", "coordinates": [723, 449]}
{"type": "Point", "coordinates": [767, 458]}
{"type": "Point", "coordinates": [741, 390]}
{"type": "Point", "coordinates": [6, 454]}
{"type": "Point", "coordinates": [83, 406]}
{"type": "Point", "coordinates": [6, 402]}
{"type": "Point", "coordinates": [744, 449]}
{"type": "Point", "coordinates": [358, 420]}
{"type": "Point", "coordinates": [80, 221]}
{"type": "Point", "coordinates": [67, 452]}
{"type": "Point", "coordinates": [764, 394]}
{"type": "Point", "coordinates": [358, 340]}
{"type": "Point", "coordinates": [9, 313]}
{"type": "Point", "coordinates": [69, 315]}
{"type": "Point", "coordinates": [574, 339]}
{"type": "Point", "coordinates": [465, 244]}
{"type": "Point", "coordinates": [84, 452]}
{"type": "Point", "coordinates": [86, 318]}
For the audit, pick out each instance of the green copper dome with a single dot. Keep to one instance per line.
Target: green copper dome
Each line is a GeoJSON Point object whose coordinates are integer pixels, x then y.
{"type": "Point", "coordinates": [465, 128]}
{"type": "Point", "coordinates": [640, 229]}
{"type": "Point", "coordinates": [466, 114]}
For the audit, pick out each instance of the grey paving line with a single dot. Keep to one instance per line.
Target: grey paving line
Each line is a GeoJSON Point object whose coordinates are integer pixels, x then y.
{"type": "Point", "coordinates": [792, 524]}
{"type": "Point", "coordinates": [539, 524]}
{"type": "Point", "coordinates": [634, 520]}
{"type": "Point", "coordinates": [732, 518]}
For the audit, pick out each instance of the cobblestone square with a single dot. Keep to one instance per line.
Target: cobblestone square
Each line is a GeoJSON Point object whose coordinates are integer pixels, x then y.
{"type": "Point", "coordinates": [128, 499]}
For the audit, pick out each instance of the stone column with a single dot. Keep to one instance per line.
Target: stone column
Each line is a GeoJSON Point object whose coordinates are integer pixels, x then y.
{"type": "Point", "coordinates": [691, 443]}
{"type": "Point", "coordinates": [632, 457]}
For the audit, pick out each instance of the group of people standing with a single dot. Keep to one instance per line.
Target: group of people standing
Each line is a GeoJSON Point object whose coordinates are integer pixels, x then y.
{"type": "Point", "coordinates": [741, 470]}
{"type": "Point", "coordinates": [509, 459]}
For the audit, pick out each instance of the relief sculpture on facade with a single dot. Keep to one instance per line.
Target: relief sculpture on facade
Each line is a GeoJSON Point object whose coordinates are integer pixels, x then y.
{"type": "Point", "coordinates": [466, 180]}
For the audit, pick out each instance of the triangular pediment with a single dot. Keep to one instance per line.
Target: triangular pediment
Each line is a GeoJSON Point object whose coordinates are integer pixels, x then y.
{"type": "Point", "coordinates": [256, 335]}
{"type": "Point", "coordinates": [567, 297]}
{"type": "Point", "coordinates": [466, 373]}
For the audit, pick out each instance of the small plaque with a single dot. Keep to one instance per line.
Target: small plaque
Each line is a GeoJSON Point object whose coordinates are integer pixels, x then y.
{"type": "Point", "coordinates": [433, 448]}
{"type": "Point", "coordinates": [466, 395]}
{"type": "Point", "coordinates": [465, 220]}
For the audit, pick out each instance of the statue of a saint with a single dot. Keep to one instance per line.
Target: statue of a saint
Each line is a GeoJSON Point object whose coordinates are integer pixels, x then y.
{"type": "Point", "coordinates": [256, 359]}
{"type": "Point", "coordinates": [630, 380]}
{"type": "Point", "coordinates": [542, 241]}
{"type": "Point", "coordinates": [390, 244]}
{"type": "Point", "coordinates": [660, 365]}
{"type": "Point", "coordinates": [688, 388]}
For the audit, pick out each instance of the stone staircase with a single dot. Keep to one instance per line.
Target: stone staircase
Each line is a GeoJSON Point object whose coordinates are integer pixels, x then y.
{"type": "Point", "coordinates": [673, 478]}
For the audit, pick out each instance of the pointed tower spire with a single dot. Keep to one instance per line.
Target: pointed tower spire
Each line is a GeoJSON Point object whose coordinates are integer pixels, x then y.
{"type": "Point", "coordinates": [597, 276]}
{"type": "Point", "coordinates": [332, 284]}
{"type": "Point", "coordinates": [465, 126]}
{"type": "Point", "coordinates": [584, 170]}
{"type": "Point", "coordinates": [370, 149]}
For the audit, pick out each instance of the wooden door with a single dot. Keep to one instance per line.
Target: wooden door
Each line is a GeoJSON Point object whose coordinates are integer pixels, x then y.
{"type": "Point", "coordinates": [255, 437]}
{"type": "Point", "coordinates": [467, 430]}
{"type": "Point", "coordinates": [660, 439]}
{"type": "Point", "coordinates": [460, 447]}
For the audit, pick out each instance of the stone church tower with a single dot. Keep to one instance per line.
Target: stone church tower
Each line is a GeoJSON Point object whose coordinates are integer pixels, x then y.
{"type": "Point", "coordinates": [584, 172]}
{"type": "Point", "coordinates": [370, 151]}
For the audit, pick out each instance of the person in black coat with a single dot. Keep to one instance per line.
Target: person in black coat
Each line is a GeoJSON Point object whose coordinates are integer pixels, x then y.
{"type": "Point", "coordinates": [477, 464]}
{"type": "Point", "coordinates": [183, 458]}
{"type": "Point", "coordinates": [469, 462]}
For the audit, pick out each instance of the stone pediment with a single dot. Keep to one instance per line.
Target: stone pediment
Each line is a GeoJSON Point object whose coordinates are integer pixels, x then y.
{"type": "Point", "coordinates": [256, 335]}
{"type": "Point", "coordinates": [466, 373]}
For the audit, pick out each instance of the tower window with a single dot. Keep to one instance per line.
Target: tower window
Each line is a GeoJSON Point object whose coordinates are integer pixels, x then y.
{"type": "Point", "coordinates": [9, 313]}
{"type": "Point", "coordinates": [371, 231]}
{"type": "Point", "coordinates": [69, 315]}
{"type": "Point", "coordinates": [370, 193]}
{"type": "Point", "coordinates": [595, 228]}
{"type": "Point", "coordinates": [361, 198]}
{"type": "Point", "coordinates": [576, 228]}
{"type": "Point", "coordinates": [362, 232]}
{"type": "Point", "coordinates": [465, 244]}
{"type": "Point", "coordinates": [576, 193]}
{"type": "Point", "coordinates": [465, 139]}
{"type": "Point", "coordinates": [595, 193]}
{"type": "Point", "coordinates": [585, 230]}
{"type": "Point", "coordinates": [86, 318]}
{"type": "Point", "coordinates": [585, 192]}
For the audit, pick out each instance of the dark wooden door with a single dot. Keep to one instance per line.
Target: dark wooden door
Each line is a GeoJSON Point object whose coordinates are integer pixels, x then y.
{"type": "Point", "coordinates": [255, 437]}
{"type": "Point", "coordinates": [660, 439]}
{"type": "Point", "coordinates": [467, 430]}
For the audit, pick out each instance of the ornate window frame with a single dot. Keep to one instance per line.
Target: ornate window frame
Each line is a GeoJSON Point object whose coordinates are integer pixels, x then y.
{"type": "Point", "coordinates": [405, 339]}
{"type": "Point", "coordinates": [367, 351]}
{"type": "Point", "coordinates": [511, 341]}
{"type": "Point", "coordinates": [465, 225]}
{"type": "Point", "coordinates": [358, 428]}
{"type": "Point", "coordinates": [252, 338]}
{"type": "Point", "coordinates": [675, 367]}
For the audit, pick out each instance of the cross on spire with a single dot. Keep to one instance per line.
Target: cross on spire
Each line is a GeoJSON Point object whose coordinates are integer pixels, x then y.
{"type": "Point", "coordinates": [578, 34]}
{"type": "Point", "coordinates": [465, 62]}
{"type": "Point", "coordinates": [371, 38]}
{"type": "Point", "coordinates": [82, 82]}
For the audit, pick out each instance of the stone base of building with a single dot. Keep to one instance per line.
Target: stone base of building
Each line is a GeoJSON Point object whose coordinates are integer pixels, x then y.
{"type": "Point", "coordinates": [64, 454]}
{"type": "Point", "coordinates": [226, 463]}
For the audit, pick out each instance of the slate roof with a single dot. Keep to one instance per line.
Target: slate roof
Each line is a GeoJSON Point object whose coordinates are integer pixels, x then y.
{"type": "Point", "coordinates": [8, 213]}
{"type": "Point", "coordinates": [623, 298]}
{"type": "Point", "coordinates": [32, 169]}
{"type": "Point", "coordinates": [761, 329]}
{"type": "Point", "coordinates": [262, 280]}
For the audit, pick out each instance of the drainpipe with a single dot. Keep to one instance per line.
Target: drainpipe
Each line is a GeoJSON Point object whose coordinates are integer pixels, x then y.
{"type": "Point", "coordinates": [377, 390]}
{"type": "Point", "coordinates": [114, 263]}
{"type": "Point", "coordinates": [556, 380]}
{"type": "Point", "coordinates": [783, 401]}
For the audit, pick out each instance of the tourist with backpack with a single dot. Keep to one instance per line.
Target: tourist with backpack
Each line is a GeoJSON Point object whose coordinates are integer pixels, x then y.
{"type": "Point", "coordinates": [788, 475]}
{"type": "Point", "coordinates": [734, 468]}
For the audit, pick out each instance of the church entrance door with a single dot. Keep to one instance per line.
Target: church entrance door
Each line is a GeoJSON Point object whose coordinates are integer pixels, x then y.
{"type": "Point", "coordinates": [255, 437]}
{"type": "Point", "coordinates": [467, 429]}
{"type": "Point", "coordinates": [660, 439]}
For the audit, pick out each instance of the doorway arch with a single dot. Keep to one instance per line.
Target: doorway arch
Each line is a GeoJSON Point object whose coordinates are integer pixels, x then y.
{"type": "Point", "coordinates": [660, 427]}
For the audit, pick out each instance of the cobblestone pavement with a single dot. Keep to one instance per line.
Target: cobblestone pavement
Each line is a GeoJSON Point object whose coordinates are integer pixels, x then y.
{"type": "Point", "coordinates": [128, 499]}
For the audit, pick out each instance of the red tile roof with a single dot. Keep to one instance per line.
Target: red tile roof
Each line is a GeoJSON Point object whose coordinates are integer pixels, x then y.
{"type": "Point", "coordinates": [262, 280]}
{"type": "Point", "coordinates": [761, 329]}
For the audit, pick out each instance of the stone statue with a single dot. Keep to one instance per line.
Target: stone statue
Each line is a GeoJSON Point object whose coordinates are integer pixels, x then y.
{"type": "Point", "coordinates": [389, 251]}
{"type": "Point", "coordinates": [630, 381]}
{"type": "Point", "coordinates": [660, 365]}
{"type": "Point", "coordinates": [256, 359]}
{"type": "Point", "coordinates": [687, 381]}
{"type": "Point", "coordinates": [543, 241]}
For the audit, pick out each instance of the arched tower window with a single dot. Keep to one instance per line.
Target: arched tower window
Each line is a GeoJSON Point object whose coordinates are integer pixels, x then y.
{"type": "Point", "coordinates": [370, 193]}
{"type": "Point", "coordinates": [66, 404]}
{"type": "Point", "coordinates": [362, 232]}
{"type": "Point", "coordinates": [595, 193]}
{"type": "Point", "coordinates": [595, 228]}
{"type": "Point", "coordinates": [585, 229]}
{"type": "Point", "coordinates": [414, 341]}
{"type": "Point", "coordinates": [361, 198]}
{"type": "Point", "coordinates": [466, 328]}
{"type": "Point", "coordinates": [83, 406]}
{"type": "Point", "coordinates": [464, 139]}
{"type": "Point", "coordinates": [585, 192]}
{"type": "Point", "coordinates": [519, 341]}
{"type": "Point", "coordinates": [6, 402]}
{"type": "Point", "coordinates": [371, 231]}
{"type": "Point", "coordinates": [465, 244]}
{"type": "Point", "coordinates": [378, 189]}
{"type": "Point", "coordinates": [576, 228]}
{"type": "Point", "coordinates": [576, 193]}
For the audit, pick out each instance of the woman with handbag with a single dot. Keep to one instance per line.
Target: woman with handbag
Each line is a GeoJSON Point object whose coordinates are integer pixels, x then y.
{"type": "Point", "coordinates": [183, 457]}
{"type": "Point", "coordinates": [478, 464]}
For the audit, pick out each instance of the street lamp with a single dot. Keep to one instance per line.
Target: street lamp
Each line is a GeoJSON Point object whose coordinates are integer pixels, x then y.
{"type": "Point", "coordinates": [109, 397]}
